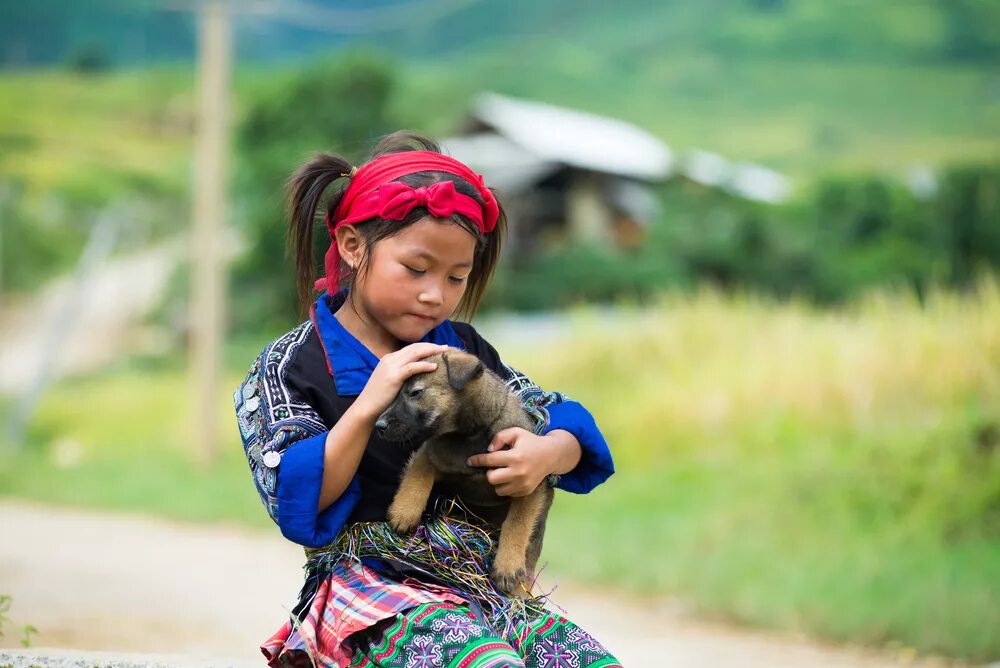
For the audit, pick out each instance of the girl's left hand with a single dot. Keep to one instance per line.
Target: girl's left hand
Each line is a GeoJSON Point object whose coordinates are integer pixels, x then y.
{"type": "Point", "coordinates": [518, 460]}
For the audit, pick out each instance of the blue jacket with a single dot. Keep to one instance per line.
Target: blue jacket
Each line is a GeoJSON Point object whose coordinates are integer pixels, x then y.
{"type": "Point", "coordinates": [299, 386]}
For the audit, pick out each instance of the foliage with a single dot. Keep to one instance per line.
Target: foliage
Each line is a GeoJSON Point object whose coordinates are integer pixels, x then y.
{"type": "Point", "coordinates": [32, 249]}
{"type": "Point", "coordinates": [88, 59]}
{"type": "Point", "coordinates": [75, 147]}
{"type": "Point", "coordinates": [969, 206]}
{"type": "Point", "coordinates": [27, 630]}
{"type": "Point", "coordinates": [847, 236]}
{"type": "Point", "coordinates": [338, 106]}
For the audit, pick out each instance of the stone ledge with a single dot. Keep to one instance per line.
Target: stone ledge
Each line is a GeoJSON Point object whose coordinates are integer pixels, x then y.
{"type": "Point", "coordinates": [72, 658]}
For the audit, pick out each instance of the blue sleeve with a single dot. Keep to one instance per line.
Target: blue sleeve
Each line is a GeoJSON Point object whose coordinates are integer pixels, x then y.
{"type": "Point", "coordinates": [283, 440]}
{"type": "Point", "coordinates": [300, 478]}
{"type": "Point", "coordinates": [596, 464]}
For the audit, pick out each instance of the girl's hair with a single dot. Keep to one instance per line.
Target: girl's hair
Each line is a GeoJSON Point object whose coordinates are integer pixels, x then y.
{"type": "Point", "coordinates": [305, 189]}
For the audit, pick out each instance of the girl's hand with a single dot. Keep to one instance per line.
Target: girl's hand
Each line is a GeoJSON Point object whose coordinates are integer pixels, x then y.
{"type": "Point", "coordinates": [520, 460]}
{"type": "Point", "coordinates": [390, 374]}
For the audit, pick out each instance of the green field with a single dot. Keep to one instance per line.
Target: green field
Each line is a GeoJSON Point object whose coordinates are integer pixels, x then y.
{"type": "Point", "coordinates": [95, 138]}
{"type": "Point", "coordinates": [834, 472]}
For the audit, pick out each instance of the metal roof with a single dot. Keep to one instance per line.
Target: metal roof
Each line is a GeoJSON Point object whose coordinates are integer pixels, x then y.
{"type": "Point", "coordinates": [746, 180]}
{"type": "Point", "coordinates": [576, 138]}
{"type": "Point", "coordinates": [503, 164]}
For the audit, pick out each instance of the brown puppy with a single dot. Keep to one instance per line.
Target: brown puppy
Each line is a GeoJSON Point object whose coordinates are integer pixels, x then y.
{"type": "Point", "coordinates": [450, 414]}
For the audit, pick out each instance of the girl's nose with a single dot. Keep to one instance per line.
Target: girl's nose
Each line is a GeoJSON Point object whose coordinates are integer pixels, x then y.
{"type": "Point", "coordinates": [430, 296]}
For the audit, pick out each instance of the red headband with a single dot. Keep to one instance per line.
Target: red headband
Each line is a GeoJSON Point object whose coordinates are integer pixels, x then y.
{"type": "Point", "coordinates": [375, 193]}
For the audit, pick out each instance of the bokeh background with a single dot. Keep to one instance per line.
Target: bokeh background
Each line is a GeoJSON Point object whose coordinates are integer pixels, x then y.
{"type": "Point", "coordinates": [757, 238]}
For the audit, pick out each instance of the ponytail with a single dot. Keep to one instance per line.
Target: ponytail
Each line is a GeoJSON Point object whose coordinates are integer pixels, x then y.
{"type": "Point", "coordinates": [305, 189]}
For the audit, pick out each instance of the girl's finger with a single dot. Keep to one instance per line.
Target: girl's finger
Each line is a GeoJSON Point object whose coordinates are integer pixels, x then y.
{"type": "Point", "coordinates": [484, 459]}
{"type": "Point", "coordinates": [414, 368]}
{"type": "Point", "coordinates": [494, 459]}
{"type": "Point", "coordinates": [416, 351]}
{"type": "Point", "coordinates": [498, 476]}
{"type": "Point", "coordinates": [500, 439]}
{"type": "Point", "coordinates": [508, 434]}
{"type": "Point", "coordinates": [512, 489]}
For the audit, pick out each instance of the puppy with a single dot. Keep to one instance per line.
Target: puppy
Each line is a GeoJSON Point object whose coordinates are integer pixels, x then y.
{"type": "Point", "coordinates": [450, 414]}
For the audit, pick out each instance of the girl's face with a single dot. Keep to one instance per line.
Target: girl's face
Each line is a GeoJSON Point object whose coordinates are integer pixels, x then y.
{"type": "Point", "coordinates": [415, 278]}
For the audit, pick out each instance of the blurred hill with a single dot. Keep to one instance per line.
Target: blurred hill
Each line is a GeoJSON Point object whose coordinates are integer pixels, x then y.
{"type": "Point", "coordinates": [138, 32]}
{"type": "Point", "coordinates": [803, 86]}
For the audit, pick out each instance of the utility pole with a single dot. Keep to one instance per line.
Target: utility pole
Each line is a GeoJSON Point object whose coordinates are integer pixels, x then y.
{"type": "Point", "coordinates": [208, 258]}
{"type": "Point", "coordinates": [207, 311]}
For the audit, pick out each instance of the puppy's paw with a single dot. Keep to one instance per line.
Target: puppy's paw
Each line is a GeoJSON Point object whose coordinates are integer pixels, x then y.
{"type": "Point", "coordinates": [513, 583]}
{"type": "Point", "coordinates": [404, 519]}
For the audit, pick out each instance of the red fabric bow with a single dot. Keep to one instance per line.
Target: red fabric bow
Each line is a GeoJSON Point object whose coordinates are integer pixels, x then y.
{"type": "Point", "coordinates": [440, 199]}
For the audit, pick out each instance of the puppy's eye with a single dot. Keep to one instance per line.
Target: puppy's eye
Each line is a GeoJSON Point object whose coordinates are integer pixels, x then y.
{"type": "Point", "coordinates": [414, 392]}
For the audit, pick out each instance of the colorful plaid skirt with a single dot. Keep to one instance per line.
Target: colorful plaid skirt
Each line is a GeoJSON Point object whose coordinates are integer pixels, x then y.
{"type": "Point", "coordinates": [374, 598]}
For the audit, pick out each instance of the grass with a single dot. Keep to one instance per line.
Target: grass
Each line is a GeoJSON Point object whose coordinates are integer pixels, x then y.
{"type": "Point", "coordinates": [99, 137]}
{"type": "Point", "coordinates": [832, 472]}
{"type": "Point", "coordinates": [116, 442]}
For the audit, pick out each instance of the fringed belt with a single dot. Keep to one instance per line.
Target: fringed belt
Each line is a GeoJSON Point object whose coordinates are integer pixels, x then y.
{"type": "Point", "coordinates": [451, 549]}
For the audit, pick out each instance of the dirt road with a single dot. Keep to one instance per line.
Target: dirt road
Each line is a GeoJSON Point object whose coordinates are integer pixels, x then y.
{"type": "Point", "coordinates": [96, 581]}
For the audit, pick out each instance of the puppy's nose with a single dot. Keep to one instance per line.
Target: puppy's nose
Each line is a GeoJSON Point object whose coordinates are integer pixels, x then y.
{"type": "Point", "coordinates": [381, 424]}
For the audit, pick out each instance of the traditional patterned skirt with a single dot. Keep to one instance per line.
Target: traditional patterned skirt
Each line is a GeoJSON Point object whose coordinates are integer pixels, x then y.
{"type": "Point", "coordinates": [374, 598]}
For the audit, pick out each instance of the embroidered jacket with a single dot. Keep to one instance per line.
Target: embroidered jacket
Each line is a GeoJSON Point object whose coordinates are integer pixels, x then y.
{"type": "Point", "coordinates": [300, 385]}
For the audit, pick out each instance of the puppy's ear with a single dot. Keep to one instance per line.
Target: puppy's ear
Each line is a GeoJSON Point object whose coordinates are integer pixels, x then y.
{"type": "Point", "coordinates": [462, 369]}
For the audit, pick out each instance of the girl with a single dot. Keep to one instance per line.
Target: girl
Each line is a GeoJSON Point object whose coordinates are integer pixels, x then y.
{"type": "Point", "coordinates": [414, 237]}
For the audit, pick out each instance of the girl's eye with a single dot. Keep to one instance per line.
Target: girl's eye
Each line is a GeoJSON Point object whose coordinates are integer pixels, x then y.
{"type": "Point", "coordinates": [415, 272]}
{"type": "Point", "coordinates": [415, 392]}
{"type": "Point", "coordinates": [457, 279]}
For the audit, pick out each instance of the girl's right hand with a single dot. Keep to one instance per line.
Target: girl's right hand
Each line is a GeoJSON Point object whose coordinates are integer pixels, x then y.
{"type": "Point", "coordinates": [390, 374]}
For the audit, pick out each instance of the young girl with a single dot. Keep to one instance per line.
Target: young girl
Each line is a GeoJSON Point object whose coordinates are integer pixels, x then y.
{"type": "Point", "coordinates": [414, 238]}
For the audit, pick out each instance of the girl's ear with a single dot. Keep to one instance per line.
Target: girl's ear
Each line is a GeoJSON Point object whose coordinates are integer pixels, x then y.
{"type": "Point", "coordinates": [350, 244]}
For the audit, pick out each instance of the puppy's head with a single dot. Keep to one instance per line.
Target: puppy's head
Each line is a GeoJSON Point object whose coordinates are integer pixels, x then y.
{"type": "Point", "coordinates": [429, 403]}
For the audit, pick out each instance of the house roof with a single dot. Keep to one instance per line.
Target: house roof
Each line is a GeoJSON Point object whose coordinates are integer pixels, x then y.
{"type": "Point", "coordinates": [575, 138]}
{"type": "Point", "coordinates": [503, 164]}
{"type": "Point", "coordinates": [742, 179]}
{"type": "Point", "coordinates": [520, 142]}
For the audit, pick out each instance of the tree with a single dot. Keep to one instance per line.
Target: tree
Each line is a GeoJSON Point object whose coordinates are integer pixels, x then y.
{"type": "Point", "coordinates": [339, 106]}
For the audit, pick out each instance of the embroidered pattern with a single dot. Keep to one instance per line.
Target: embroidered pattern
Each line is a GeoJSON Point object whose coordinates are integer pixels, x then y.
{"type": "Point", "coordinates": [424, 653]}
{"type": "Point", "coordinates": [415, 641]}
{"type": "Point", "coordinates": [455, 627]}
{"type": "Point", "coordinates": [533, 398]}
{"type": "Point", "coordinates": [271, 415]}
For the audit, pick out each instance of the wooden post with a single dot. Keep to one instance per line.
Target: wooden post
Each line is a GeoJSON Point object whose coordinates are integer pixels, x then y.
{"type": "Point", "coordinates": [208, 258]}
